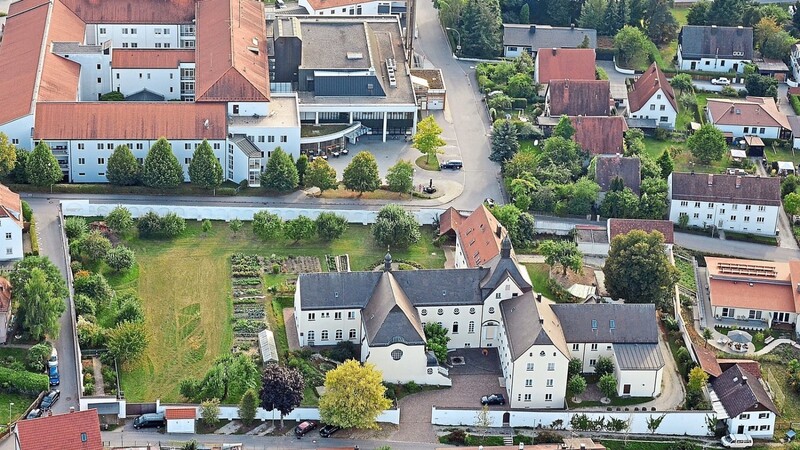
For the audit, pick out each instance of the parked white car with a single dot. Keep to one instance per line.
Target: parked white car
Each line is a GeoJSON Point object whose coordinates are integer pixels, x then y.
{"type": "Point", "coordinates": [737, 441]}
{"type": "Point", "coordinates": [721, 81]}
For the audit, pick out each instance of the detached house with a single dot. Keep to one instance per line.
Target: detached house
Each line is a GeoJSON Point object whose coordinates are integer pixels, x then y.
{"type": "Point", "coordinates": [598, 135]}
{"type": "Point", "coordinates": [730, 202]}
{"type": "Point", "coordinates": [751, 116]}
{"type": "Point", "coordinates": [609, 167]}
{"type": "Point", "coordinates": [740, 399]}
{"type": "Point", "coordinates": [578, 98]}
{"type": "Point", "coordinates": [519, 39]}
{"type": "Point", "coordinates": [652, 97]}
{"type": "Point", "coordinates": [564, 63]}
{"type": "Point", "coordinates": [713, 48]}
{"type": "Point", "coordinates": [71, 431]}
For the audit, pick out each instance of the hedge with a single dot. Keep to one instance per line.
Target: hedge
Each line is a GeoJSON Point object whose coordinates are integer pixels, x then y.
{"type": "Point", "coordinates": [34, 238]}
{"type": "Point", "coordinates": [23, 382]}
{"type": "Point", "coordinates": [795, 100]}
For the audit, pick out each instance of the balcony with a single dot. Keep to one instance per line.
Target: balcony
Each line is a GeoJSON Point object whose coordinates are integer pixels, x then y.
{"type": "Point", "coordinates": [187, 34]}
{"type": "Point", "coordinates": [187, 78]}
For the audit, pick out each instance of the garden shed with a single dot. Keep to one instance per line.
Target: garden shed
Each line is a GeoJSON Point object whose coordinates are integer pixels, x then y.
{"type": "Point", "coordinates": [180, 420]}
{"type": "Point", "coordinates": [755, 145]}
{"type": "Point", "coordinates": [269, 351]}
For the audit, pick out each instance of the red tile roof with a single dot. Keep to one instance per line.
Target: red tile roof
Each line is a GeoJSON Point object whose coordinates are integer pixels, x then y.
{"type": "Point", "coordinates": [60, 76]}
{"type": "Point", "coordinates": [227, 68]}
{"type": "Point", "coordinates": [563, 63]}
{"type": "Point", "coordinates": [150, 59]}
{"type": "Point", "coordinates": [180, 413]}
{"type": "Point", "coordinates": [769, 292]}
{"type": "Point", "coordinates": [647, 85]}
{"type": "Point", "coordinates": [5, 295]}
{"type": "Point", "coordinates": [579, 97]}
{"type": "Point", "coordinates": [325, 4]}
{"type": "Point", "coordinates": [600, 135]}
{"type": "Point", "coordinates": [449, 221]}
{"type": "Point", "coordinates": [624, 226]}
{"type": "Point", "coordinates": [61, 432]}
{"type": "Point", "coordinates": [137, 120]}
{"type": "Point", "coordinates": [750, 111]}
{"type": "Point", "coordinates": [10, 204]}
{"type": "Point", "coordinates": [133, 11]}
{"type": "Point", "coordinates": [481, 237]}
{"type": "Point", "coordinates": [708, 360]}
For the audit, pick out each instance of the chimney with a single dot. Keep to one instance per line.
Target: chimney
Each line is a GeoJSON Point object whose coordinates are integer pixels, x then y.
{"type": "Point", "coordinates": [744, 380]}
{"type": "Point", "coordinates": [539, 296]}
{"type": "Point", "coordinates": [554, 51]}
{"type": "Point", "coordinates": [711, 179]}
{"type": "Point", "coordinates": [541, 321]}
{"type": "Point", "coordinates": [532, 29]}
{"type": "Point", "coordinates": [798, 287]}
{"type": "Point", "coordinates": [499, 230]}
{"type": "Point", "coordinates": [71, 409]}
{"type": "Point", "coordinates": [738, 182]}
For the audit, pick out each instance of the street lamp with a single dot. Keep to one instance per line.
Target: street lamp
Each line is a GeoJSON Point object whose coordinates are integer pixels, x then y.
{"type": "Point", "coordinates": [9, 414]}
{"type": "Point", "coordinates": [458, 33]}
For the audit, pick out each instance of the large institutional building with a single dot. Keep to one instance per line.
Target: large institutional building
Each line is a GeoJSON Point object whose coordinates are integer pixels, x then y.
{"type": "Point", "coordinates": [194, 70]}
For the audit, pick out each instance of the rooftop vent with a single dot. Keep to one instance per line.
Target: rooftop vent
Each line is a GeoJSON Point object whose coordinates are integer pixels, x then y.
{"type": "Point", "coordinates": [391, 68]}
{"type": "Point", "coordinates": [355, 55]}
{"type": "Point", "coordinates": [532, 29]}
{"type": "Point", "coordinates": [710, 179]}
{"type": "Point", "coordinates": [254, 50]}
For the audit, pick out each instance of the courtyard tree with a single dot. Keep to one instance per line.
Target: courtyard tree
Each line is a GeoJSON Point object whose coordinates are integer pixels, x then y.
{"type": "Point", "coordinates": [127, 341]}
{"type": "Point", "coordinates": [666, 164]}
{"type": "Point", "coordinates": [428, 139]}
{"type": "Point", "coordinates": [302, 167]}
{"type": "Point", "coordinates": [400, 177]}
{"type": "Point", "coordinates": [248, 407]}
{"type": "Point", "coordinates": [564, 128]}
{"type": "Point", "coordinates": [119, 220]}
{"type": "Point", "coordinates": [395, 227]}
{"type": "Point", "coordinates": [8, 155]}
{"type": "Point", "coordinates": [682, 82]}
{"type": "Point", "coordinates": [42, 167]}
{"type": "Point", "coordinates": [281, 389]}
{"type": "Point", "coordinates": [321, 175]}
{"type": "Point", "coordinates": [563, 253]}
{"type": "Point", "coordinates": [39, 309]}
{"type": "Point", "coordinates": [504, 141]}
{"type": "Point", "coordinates": [161, 167]}
{"type": "Point", "coordinates": [437, 339]}
{"type": "Point", "coordinates": [267, 225]}
{"type": "Point", "coordinates": [353, 405]}
{"type": "Point", "coordinates": [362, 174]}
{"type": "Point", "coordinates": [299, 229]}
{"type": "Point", "coordinates": [631, 45]}
{"type": "Point", "coordinates": [637, 268]}
{"type": "Point", "coordinates": [120, 258]}
{"type": "Point", "coordinates": [575, 367]}
{"type": "Point", "coordinates": [330, 225]}
{"type": "Point", "coordinates": [608, 385]}
{"type": "Point", "coordinates": [576, 385]}
{"type": "Point", "coordinates": [205, 169]}
{"type": "Point", "coordinates": [280, 174]}
{"type": "Point", "coordinates": [235, 226]}
{"type": "Point", "coordinates": [603, 365]}
{"type": "Point", "coordinates": [123, 169]}
{"type": "Point", "coordinates": [707, 144]}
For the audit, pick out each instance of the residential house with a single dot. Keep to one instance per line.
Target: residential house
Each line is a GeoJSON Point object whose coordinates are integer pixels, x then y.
{"type": "Point", "coordinates": [609, 167]}
{"type": "Point", "coordinates": [600, 135]}
{"type": "Point", "coordinates": [712, 48]}
{"type": "Point", "coordinates": [479, 239]}
{"type": "Point", "coordinates": [740, 399]}
{"type": "Point", "coordinates": [744, 204]}
{"type": "Point", "coordinates": [754, 294]}
{"type": "Point", "coordinates": [618, 227]}
{"type": "Point", "coordinates": [577, 98]}
{"type": "Point", "coordinates": [11, 224]}
{"type": "Point", "coordinates": [651, 97]}
{"type": "Point", "coordinates": [5, 309]}
{"type": "Point", "coordinates": [794, 124]}
{"type": "Point", "coordinates": [751, 116]}
{"type": "Point", "coordinates": [353, 7]}
{"type": "Point", "coordinates": [564, 63]}
{"type": "Point", "coordinates": [71, 431]}
{"type": "Point", "coordinates": [519, 39]}
{"type": "Point", "coordinates": [449, 221]}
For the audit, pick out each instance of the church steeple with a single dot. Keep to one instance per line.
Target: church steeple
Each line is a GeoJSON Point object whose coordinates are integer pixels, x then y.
{"type": "Point", "coordinates": [505, 247]}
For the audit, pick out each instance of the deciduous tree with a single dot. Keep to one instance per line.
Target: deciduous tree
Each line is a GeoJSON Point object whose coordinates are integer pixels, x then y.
{"type": "Point", "coordinates": [209, 412]}
{"type": "Point", "coordinates": [8, 155]}
{"type": "Point", "coordinates": [576, 385]}
{"type": "Point", "coordinates": [400, 177]}
{"type": "Point", "coordinates": [608, 385]}
{"type": "Point", "coordinates": [127, 341]}
{"type": "Point", "coordinates": [563, 253]}
{"type": "Point", "coordinates": [428, 139]}
{"type": "Point", "coordinates": [362, 173]}
{"type": "Point", "coordinates": [791, 203]}
{"type": "Point", "coordinates": [42, 167]}
{"type": "Point", "coordinates": [299, 229]}
{"type": "Point", "coordinates": [330, 225]}
{"type": "Point", "coordinates": [437, 338]}
{"type": "Point", "coordinates": [564, 128]}
{"type": "Point", "coordinates": [707, 144]}
{"type": "Point", "coordinates": [603, 365]}
{"type": "Point", "coordinates": [39, 309]}
{"type": "Point", "coordinates": [761, 85]}
{"type": "Point", "coordinates": [637, 268]}
{"type": "Point", "coordinates": [282, 389]}
{"type": "Point", "coordinates": [321, 175]}
{"type": "Point", "coordinates": [94, 246]}
{"type": "Point", "coordinates": [280, 174]}
{"type": "Point", "coordinates": [504, 141]}
{"type": "Point", "coordinates": [623, 204]}
{"type": "Point", "coordinates": [395, 227]}
{"type": "Point", "coordinates": [161, 167]}
{"type": "Point", "coordinates": [205, 169]}
{"type": "Point", "coordinates": [75, 227]}
{"type": "Point", "coordinates": [123, 169]}
{"type": "Point", "coordinates": [353, 405]}
{"type": "Point", "coordinates": [267, 225]}
{"type": "Point", "coordinates": [682, 82]}
{"type": "Point", "coordinates": [632, 46]}
{"type": "Point", "coordinates": [235, 226]}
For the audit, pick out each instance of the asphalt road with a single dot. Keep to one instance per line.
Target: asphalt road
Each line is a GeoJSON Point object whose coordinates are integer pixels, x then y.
{"type": "Point", "coordinates": [735, 248]}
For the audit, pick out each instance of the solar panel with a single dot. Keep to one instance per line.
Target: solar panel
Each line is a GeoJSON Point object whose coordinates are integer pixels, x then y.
{"type": "Point", "coordinates": [747, 269]}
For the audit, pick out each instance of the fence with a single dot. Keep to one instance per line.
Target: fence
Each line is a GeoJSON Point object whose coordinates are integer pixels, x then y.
{"type": "Point", "coordinates": [86, 209]}
{"type": "Point", "coordinates": [232, 413]}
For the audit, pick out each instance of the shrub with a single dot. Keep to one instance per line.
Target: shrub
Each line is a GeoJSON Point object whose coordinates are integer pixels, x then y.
{"type": "Point", "coordinates": [120, 258]}
{"type": "Point", "coordinates": [75, 227]}
{"type": "Point", "coordinates": [37, 356]}
{"type": "Point", "coordinates": [795, 101]}
{"type": "Point", "coordinates": [343, 351]}
{"type": "Point", "coordinates": [547, 437]}
{"type": "Point", "coordinates": [172, 225]}
{"type": "Point", "coordinates": [226, 191]}
{"type": "Point", "coordinates": [729, 91]}
{"type": "Point", "coordinates": [149, 224]}
{"type": "Point", "coordinates": [84, 306]}
{"type": "Point", "coordinates": [95, 287]}
{"type": "Point", "coordinates": [456, 437]}
{"type": "Point", "coordinates": [27, 212]}
{"type": "Point", "coordinates": [276, 268]}
{"type": "Point", "coordinates": [23, 382]}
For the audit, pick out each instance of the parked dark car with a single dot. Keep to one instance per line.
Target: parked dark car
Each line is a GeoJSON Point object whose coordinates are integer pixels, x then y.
{"type": "Point", "coordinates": [454, 164]}
{"type": "Point", "coordinates": [50, 399]}
{"type": "Point", "coordinates": [35, 413]}
{"type": "Point", "coordinates": [305, 427]}
{"type": "Point", "coordinates": [328, 430]}
{"type": "Point", "coordinates": [150, 420]}
{"type": "Point", "coordinates": [493, 399]}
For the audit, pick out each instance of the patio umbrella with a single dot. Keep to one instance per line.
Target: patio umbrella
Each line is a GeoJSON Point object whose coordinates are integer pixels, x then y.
{"type": "Point", "coordinates": [740, 336]}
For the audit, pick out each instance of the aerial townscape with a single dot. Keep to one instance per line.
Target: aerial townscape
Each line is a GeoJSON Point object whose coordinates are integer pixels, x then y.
{"type": "Point", "coordinates": [399, 224]}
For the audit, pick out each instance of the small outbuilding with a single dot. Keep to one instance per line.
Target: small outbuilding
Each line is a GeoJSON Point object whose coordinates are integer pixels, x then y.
{"type": "Point", "coordinates": [180, 420]}
{"type": "Point", "coordinates": [755, 146]}
{"type": "Point", "coordinates": [269, 351]}
{"type": "Point", "coordinates": [794, 122]}
{"type": "Point", "coordinates": [738, 155]}
{"type": "Point", "coordinates": [786, 168]}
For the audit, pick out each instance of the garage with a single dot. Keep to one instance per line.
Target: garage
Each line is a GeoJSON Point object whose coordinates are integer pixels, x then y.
{"type": "Point", "coordinates": [180, 420]}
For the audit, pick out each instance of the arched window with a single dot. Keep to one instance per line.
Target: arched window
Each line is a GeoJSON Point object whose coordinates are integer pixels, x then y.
{"type": "Point", "coordinates": [397, 354]}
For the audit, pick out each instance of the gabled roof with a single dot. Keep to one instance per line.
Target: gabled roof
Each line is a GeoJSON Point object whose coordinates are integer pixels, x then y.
{"type": "Point", "coordinates": [10, 205]}
{"type": "Point", "coordinates": [697, 41]}
{"type": "Point", "coordinates": [480, 236]}
{"type": "Point", "coordinates": [390, 317]}
{"type": "Point", "coordinates": [180, 413]}
{"type": "Point", "coordinates": [133, 11]}
{"type": "Point", "coordinates": [529, 322]}
{"type": "Point", "coordinates": [647, 85]}
{"type": "Point", "coordinates": [231, 51]}
{"type": "Point", "coordinates": [136, 120]}
{"type": "Point", "coordinates": [560, 64]}
{"type": "Point", "coordinates": [624, 226]}
{"type": "Point", "coordinates": [600, 135]}
{"type": "Point", "coordinates": [726, 188]}
{"type": "Point", "coordinates": [336, 289]}
{"type": "Point", "coordinates": [615, 323]}
{"type": "Point", "coordinates": [60, 76]}
{"type": "Point", "coordinates": [608, 167]}
{"type": "Point", "coordinates": [449, 221]}
{"type": "Point", "coordinates": [579, 97]}
{"type": "Point", "coordinates": [750, 111]}
{"type": "Point", "coordinates": [707, 358]}
{"type": "Point", "coordinates": [150, 59]}
{"type": "Point", "coordinates": [442, 286]}
{"type": "Point", "coordinates": [546, 36]}
{"type": "Point", "coordinates": [738, 391]}
{"type": "Point", "coordinates": [505, 268]}
{"type": "Point", "coordinates": [78, 430]}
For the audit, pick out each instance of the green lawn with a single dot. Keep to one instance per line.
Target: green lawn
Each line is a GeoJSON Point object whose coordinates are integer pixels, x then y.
{"type": "Point", "coordinates": [684, 162]}
{"type": "Point", "coordinates": [276, 322]}
{"type": "Point", "coordinates": [781, 154]}
{"type": "Point", "coordinates": [186, 295]}
{"type": "Point", "coordinates": [680, 15]}
{"type": "Point", "coordinates": [686, 271]}
{"type": "Point", "coordinates": [539, 274]}
{"type": "Point", "coordinates": [21, 403]}
{"type": "Point", "coordinates": [638, 445]}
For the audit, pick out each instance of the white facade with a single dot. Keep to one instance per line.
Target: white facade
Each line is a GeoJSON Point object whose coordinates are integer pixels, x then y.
{"type": "Point", "coordinates": [659, 109]}
{"type": "Point", "coordinates": [758, 424]}
{"type": "Point", "coordinates": [718, 65]}
{"type": "Point", "coordinates": [166, 82]}
{"type": "Point", "coordinates": [135, 35]}
{"type": "Point", "coordinates": [95, 78]}
{"type": "Point", "coordinates": [180, 426]}
{"type": "Point", "coordinates": [638, 383]}
{"type": "Point", "coordinates": [537, 379]}
{"type": "Point", "coordinates": [367, 8]}
{"type": "Point", "coordinates": [400, 363]}
{"type": "Point", "coordinates": [11, 238]}
{"type": "Point", "coordinates": [357, 112]}
{"type": "Point", "coordinates": [19, 131]}
{"type": "Point", "coordinates": [739, 131]}
{"type": "Point", "coordinates": [755, 219]}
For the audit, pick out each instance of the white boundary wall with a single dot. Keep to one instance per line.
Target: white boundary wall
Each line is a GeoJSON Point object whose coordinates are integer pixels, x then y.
{"type": "Point", "coordinates": [86, 209]}
{"type": "Point", "coordinates": [232, 412]}
{"type": "Point", "coordinates": [690, 423]}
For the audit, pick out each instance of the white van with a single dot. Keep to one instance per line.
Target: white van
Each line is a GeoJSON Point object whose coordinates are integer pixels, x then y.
{"type": "Point", "coordinates": [737, 441]}
{"type": "Point", "coordinates": [53, 361]}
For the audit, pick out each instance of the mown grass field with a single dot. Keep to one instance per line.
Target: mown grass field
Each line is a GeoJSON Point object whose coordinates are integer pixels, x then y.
{"type": "Point", "coordinates": [185, 289]}
{"type": "Point", "coordinates": [684, 162]}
